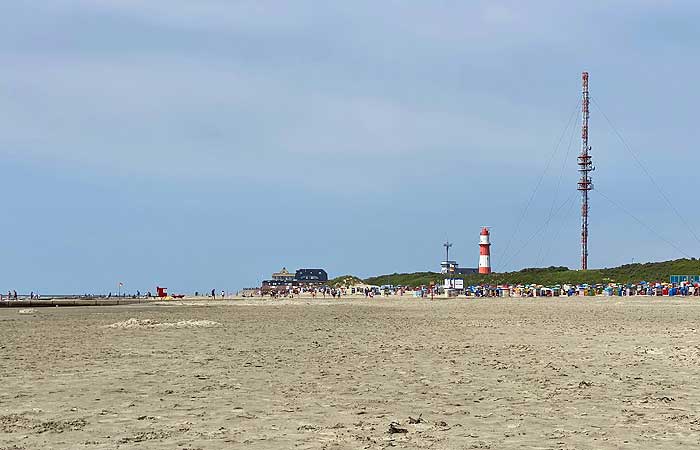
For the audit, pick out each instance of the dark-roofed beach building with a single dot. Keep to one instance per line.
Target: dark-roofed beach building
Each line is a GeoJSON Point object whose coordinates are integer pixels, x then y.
{"type": "Point", "coordinates": [311, 276]}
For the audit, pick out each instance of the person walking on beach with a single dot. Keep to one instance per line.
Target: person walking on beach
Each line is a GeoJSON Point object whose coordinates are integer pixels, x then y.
{"type": "Point", "coordinates": [213, 294]}
{"type": "Point", "coordinates": [223, 294]}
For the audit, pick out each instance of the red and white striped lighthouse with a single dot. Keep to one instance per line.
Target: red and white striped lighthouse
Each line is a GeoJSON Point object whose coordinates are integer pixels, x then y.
{"type": "Point", "coordinates": [484, 251]}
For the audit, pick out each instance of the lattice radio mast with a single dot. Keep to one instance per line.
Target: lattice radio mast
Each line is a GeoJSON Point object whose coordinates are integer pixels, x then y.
{"type": "Point", "coordinates": [585, 167]}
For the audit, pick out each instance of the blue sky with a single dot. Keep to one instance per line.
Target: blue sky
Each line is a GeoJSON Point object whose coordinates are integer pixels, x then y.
{"type": "Point", "coordinates": [206, 144]}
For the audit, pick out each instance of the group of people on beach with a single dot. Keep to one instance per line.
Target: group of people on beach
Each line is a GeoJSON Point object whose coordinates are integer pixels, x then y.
{"type": "Point", "coordinates": [566, 290]}
{"type": "Point", "coordinates": [12, 295]}
{"type": "Point", "coordinates": [322, 291]}
{"type": "Point", "coordinates": [213, 294]}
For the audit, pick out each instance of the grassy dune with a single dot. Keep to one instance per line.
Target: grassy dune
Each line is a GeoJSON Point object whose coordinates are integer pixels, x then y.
{"type": "Point", "coordinates": [628, 273]}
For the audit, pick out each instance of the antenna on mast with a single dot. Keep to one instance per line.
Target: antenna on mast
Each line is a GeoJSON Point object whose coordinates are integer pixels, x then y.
{"type": "Point", "coordinates": [447, 246]}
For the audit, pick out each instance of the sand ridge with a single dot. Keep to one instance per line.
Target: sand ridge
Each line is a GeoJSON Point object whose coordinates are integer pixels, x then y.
{"type": "Point", "coordinates": [154, 324]}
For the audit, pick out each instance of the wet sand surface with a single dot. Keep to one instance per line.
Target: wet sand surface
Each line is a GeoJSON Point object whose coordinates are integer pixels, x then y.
{"type": "Point", "coordinates": [489, 373]}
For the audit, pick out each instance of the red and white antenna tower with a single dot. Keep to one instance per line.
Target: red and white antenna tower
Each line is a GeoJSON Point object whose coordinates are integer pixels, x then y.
{"type": "Point", "coordinates": [585, 167]}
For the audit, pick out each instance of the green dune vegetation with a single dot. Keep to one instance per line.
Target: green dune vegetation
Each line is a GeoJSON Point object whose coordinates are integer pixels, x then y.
{"type": "Point", "coordinates": [549, 276]}
{"type": "Point", "coordinates": [345, 281]}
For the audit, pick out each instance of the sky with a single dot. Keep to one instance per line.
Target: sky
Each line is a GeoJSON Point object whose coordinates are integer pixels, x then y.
{"type": "Point", "coordinates": [204, 145]}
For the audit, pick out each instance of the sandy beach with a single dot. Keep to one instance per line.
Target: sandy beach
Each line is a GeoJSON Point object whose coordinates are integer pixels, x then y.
{"type": "Point", "coordinates": [583, 373]}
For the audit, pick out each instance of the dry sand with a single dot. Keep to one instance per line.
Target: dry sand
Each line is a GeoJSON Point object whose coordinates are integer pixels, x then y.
{"type": "Point", "coordinates": [491, 373]}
